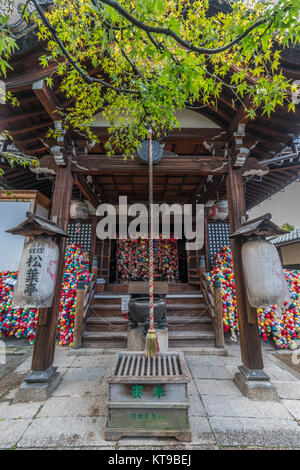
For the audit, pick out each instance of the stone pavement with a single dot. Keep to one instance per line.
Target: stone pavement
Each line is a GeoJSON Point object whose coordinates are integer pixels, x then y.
{"type": "Point", "coordinates": [75, 415]}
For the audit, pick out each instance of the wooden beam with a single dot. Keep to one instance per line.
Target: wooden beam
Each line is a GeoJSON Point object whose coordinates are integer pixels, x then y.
{"type": "Point", "coordinates": [47, 98]}
{"type": "Point", "coordinates": [211, 189]}
{"type": "Point", "coordinates": [45, 340]}
{"type": "Point", "coordinates": [240, 117]}
{"type": "Point", "coordinates": [86, 189]}
{"type": "Point", "coordinates": [193, 134]}
{"type": "Point", "coordinates": [99, 164]}
{"type": "Point", "coordinates": [33, 127]}
{"type": "Point", "coordinates": [7, 118]}
{"type": "Point", "coordinates": [249, 338]}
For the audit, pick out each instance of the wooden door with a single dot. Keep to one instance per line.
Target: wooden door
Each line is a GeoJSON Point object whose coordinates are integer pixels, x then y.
{"type": "Point", "coordinates": [103, 250]}
{"type": "Point", "coordinates": [193, 272]}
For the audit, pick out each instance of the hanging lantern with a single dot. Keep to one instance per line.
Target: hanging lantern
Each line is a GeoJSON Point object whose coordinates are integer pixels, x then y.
{"type": "Point", "coordinates": [37, 274]}
{"type": "Point", "coordinates": [217, 210]}
{"type": "Point", "coordinates": [79, 210]}
{"type": "Point", "coordinates": [221, 208]}
{"type": "Point", "coordinates": [264, 277]}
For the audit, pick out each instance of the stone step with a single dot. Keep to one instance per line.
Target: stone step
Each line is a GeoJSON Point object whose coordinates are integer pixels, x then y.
{"type": "Point", "coordinates": [115, 324]}
{"type": "Point", "coordinates": [104, 339]}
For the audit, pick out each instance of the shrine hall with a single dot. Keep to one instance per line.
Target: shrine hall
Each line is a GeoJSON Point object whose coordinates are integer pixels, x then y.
{"type": "Point", "coordinates": [216, 157]}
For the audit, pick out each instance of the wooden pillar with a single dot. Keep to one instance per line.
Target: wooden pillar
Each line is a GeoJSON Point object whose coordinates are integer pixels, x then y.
{"type": "Point", "coordinates": [249, 337]}
{"type": "Point", "coordinates": [78, 321]}
{"type": "Point", "coordinates": [218, 318]}
{"type": "Point", "coordinates": [44, 346]}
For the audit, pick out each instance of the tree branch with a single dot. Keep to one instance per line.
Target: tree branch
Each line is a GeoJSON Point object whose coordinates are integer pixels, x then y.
{"type": "Point", "coordinates": [87, 78]}
{"type": "Point", "coordinates": [168, 32]}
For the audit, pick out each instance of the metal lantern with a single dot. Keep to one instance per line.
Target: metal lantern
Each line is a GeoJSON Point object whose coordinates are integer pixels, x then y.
{"type": "Point", "coordinates": [37, 274]}
{"type": "Point", "coordinates": [264, 277]}
{"type": "Point", "coordinates": [79, 210]}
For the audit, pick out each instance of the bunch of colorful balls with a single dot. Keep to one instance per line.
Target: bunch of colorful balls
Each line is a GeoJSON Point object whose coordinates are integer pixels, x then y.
{"type": "Point", "coordinates": [76, 267]}
{"type": "Point", "coordinates": [282, 326]}
{"type": "Point", "coordinates": [224, 270]}
{"type": "Point", "coordinates": [15, 322]}
{"type": "Point", "coordinates": [21, 323]}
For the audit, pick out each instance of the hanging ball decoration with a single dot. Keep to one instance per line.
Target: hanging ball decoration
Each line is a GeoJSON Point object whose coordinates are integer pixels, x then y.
{"type": "Point", "coordinates": [279, 325]}
{"type": "Point", "coordinates": [143, 151]}
{"type": "Point", "coordinates": [22, 322]}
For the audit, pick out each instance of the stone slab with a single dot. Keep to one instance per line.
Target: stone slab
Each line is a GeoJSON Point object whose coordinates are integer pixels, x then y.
{"type": "Point", "coordinates": [274, 410]}
{"type": "Point", "coordinates": [230, 406]}
{"type": "Point", "coordinates": [11, 431]}
{"type": "Point", "coordinates": [255, 432]}
{"type": "Point", "coordinates": [78, 374]}
{"type": "Point", "coordinates": [75, 388]}
{"type": "Point", "coordinates": [74, 406]}
{"type": "Point", "coordinates": [293, 407]}
{"type": "Point", "coordinates": [200, 371]}
{"type": "Point", "coordinates": [205, 361]}
{"type": "Point", "coordinates": [217, 387]}
{"type": "Point", "coordinates": [64, 432]}
{"type": "Point", "coordinates": [18, 410]}
{"type": "Point", "coordinates": [289, 390]}
{"type": "Point", "coordinates": [93, 361]}
{"type": "Point", "coordinates": [196, 406]}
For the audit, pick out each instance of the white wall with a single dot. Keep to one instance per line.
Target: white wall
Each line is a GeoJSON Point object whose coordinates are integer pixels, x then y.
{"type": "Point", "coordinates": [12, 213]}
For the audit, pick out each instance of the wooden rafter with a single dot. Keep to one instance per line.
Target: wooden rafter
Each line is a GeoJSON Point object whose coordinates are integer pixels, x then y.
{"type": "Point", "coordinates": [86, 189]}
{"type": "Point", "coordinates": [47, 98]}
{"type": "Point", "coordinates": [211, 189]}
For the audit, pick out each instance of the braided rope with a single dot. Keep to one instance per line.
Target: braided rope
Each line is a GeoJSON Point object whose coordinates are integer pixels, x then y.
{"type": "Point", "coordinates": [151, 255]}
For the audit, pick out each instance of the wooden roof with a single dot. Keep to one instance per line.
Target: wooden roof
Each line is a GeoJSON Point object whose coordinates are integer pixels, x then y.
{"type": "Point", "coordinates": [266, 137]}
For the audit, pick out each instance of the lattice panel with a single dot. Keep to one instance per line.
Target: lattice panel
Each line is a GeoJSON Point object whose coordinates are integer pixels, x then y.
{"type": "Point", "coordinates": [218, 236]}
{"type": "Point", "coordinates": [81, 234]}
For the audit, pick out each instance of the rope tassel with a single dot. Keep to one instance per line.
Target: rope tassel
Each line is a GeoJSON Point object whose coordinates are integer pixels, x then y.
{"type": "Point", "coordinates": [152, 346]}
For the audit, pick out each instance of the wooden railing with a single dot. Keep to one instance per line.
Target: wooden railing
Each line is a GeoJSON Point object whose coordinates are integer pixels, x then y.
{"type": "Point", "coordinates": [213, 300]}
{"type": "Point", "coordinates": [84, 297]}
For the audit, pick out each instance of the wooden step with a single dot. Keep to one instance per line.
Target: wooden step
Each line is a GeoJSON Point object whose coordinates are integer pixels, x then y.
{"type": "Point", "coordinates": [185, 309]}
{"type": "Point", "coordinates": [184, 299]}
{"type": "Point", "coordinates": [107, 299]}
{"type": "Point", "coordinates": [104, 339]}
{"type": "Point", "coordinates": [182, 287]}
{"type": "Point", "coordinates": [105, 310]}
{"type": "Point", "coordinates": [106, 324]}
{"type": "Point", "coordinates": [116, 288]}
{"type": "Point", "coordinates": [185, 295]}
{"type": "Point", "coordinates": [191, 338]}
{"type": "Point", "coordinates": [192, 323]}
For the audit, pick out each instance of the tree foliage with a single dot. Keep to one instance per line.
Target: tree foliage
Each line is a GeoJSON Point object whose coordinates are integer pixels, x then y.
{"type": "Point", "coordinates": [288, 227]}
{"type": "Point", "coordinates": [138, 61]}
